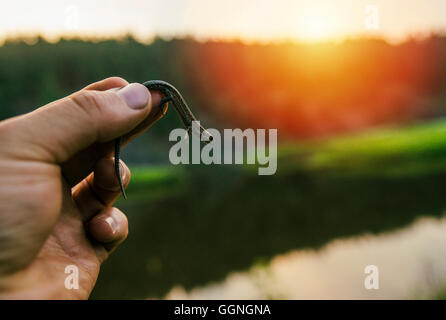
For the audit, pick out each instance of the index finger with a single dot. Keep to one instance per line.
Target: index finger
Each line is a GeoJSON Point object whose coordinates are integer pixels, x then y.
{"type": "Point", "coordinates": [81, 165]}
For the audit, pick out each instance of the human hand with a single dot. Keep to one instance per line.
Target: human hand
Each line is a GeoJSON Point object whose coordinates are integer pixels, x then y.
{"type": "Point", "coordinates": [57, 187]}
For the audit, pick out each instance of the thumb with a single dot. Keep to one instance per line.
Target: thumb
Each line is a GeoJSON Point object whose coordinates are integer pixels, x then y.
{"type": "Point", "coordinates": [59, 130]}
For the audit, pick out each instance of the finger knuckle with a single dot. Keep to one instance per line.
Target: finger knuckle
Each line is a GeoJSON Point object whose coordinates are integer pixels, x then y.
{"type": "Point", "coordinates": [104, 105]}
{"type": "Point", "coordinates": [90, 102]}
{"type": "Point", "coordinates": [5, 130]}
{"type": "Point", "coordinates": [9, 134]}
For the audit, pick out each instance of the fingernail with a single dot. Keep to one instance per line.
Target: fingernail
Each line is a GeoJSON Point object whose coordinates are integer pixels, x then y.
{"type": "Point", "coordinates": [135, 95]}
{"type": "Point", "coordinates": [122, 170]}
{"type": "Point", "coordinates": [111, 222]}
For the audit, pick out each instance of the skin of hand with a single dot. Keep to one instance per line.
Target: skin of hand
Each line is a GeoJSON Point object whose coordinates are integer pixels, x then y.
{"type": "Point", "coordinates": [58, 187]}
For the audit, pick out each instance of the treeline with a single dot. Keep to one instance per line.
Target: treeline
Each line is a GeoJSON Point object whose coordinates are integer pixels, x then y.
{"type": "Point", "coordinates": [304, 90]}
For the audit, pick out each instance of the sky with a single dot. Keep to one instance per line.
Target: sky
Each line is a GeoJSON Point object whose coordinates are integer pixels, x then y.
{"type": "Point", "coordinates": [251, 20]}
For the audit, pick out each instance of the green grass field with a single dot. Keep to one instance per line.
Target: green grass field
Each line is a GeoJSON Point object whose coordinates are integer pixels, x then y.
{"type": "Point", "coordinates": [192, 225]}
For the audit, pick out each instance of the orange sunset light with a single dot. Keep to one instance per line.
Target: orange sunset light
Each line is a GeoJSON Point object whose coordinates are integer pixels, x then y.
{"type": "Point", "coordinates": [302, 20]}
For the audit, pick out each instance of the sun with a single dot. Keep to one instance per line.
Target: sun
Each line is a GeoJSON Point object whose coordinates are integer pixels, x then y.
{"type": "Point", "coordinates": [315, 28]}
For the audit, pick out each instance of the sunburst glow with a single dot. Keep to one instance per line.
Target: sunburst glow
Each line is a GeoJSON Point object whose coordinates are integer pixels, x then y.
{"type": "Point", "coordinates": [314, 29]}
{"type": "Point", "coordinates": [310, 21]}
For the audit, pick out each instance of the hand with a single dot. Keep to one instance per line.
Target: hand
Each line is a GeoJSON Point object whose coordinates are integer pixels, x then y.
{"type": "Point", "coordinates": [57, 187]}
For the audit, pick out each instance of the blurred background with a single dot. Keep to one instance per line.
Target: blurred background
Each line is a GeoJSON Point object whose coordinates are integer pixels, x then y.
{"type": "Point", "coordinates": [356, 89]}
